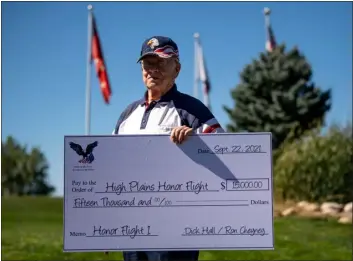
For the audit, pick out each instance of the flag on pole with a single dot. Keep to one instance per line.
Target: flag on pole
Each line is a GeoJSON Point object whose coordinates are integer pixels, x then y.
{"type": "Point", "coordinates": [202, 75]}
{"type": "Point", "coordinates": [271, 41]}
{"type": "Point", "coordinates": [98, 58]}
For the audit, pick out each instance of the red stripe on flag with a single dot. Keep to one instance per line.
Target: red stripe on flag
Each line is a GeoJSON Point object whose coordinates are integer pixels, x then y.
{"type": "Point", "coordinates": [98, 58]}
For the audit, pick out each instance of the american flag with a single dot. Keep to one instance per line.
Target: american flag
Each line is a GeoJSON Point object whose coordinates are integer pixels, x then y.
{"type": "Point", "coordinates": [271, 41]}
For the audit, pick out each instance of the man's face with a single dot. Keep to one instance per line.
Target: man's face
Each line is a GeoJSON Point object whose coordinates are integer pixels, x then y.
{"type": "Point", "coordinates": [158, 73]}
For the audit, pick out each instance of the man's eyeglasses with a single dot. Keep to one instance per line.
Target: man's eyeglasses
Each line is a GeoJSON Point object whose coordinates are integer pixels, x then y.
{"type": "Point", "coordinates": [160, 64]}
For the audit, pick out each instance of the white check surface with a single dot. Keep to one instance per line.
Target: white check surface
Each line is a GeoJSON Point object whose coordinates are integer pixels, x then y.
{"type": "Point", "coordinates": [145, 193]}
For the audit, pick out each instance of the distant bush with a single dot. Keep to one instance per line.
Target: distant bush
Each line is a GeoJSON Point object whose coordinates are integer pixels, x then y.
{"type": "Point", "coordinates": [317, 167]}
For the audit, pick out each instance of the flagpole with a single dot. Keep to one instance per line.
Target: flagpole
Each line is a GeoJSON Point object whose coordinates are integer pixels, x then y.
{"type": "Point", "coordinates": [267, 12]}
{"type": "Point", "coordinates": [88, 76]}
{"type": "Point", "coordinates": [196, 66]}
{"type": "Point", "coordinates": [207, 101]}
{"type": "Point", "coordinates": [201, 70]}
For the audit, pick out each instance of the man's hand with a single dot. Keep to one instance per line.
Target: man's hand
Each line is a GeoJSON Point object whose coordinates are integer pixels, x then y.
{"type": "Point", "coordinates": [179, 134]}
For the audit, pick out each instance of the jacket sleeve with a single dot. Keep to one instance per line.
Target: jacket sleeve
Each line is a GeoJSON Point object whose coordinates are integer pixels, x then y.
{"type": "Point", "coordinates": [196, 115]}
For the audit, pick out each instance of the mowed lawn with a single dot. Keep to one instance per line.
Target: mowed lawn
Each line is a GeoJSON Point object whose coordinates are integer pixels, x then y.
{"type": "Point", "coordinates": [32, 230]}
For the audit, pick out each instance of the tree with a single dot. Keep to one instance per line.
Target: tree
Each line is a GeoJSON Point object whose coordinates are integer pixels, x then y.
{"type": "Point", "coordinates": [23, 172]}
{"type": "Point", "coordinates": [276, 95]}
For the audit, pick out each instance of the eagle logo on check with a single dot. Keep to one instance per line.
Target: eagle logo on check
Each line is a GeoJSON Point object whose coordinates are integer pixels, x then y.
{"type": "Point", "coordinates": [87, 155]}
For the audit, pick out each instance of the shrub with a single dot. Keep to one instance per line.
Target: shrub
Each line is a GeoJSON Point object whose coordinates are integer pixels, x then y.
{"type": "Point", "coordinates": [316, 167]}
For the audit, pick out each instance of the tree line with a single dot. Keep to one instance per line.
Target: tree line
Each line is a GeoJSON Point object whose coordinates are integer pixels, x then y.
{"type": "Point", "coordinates": [23, 172]}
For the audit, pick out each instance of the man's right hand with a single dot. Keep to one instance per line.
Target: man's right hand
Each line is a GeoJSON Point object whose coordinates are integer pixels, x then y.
{"type": "Point", "coordinates": [179, 134]}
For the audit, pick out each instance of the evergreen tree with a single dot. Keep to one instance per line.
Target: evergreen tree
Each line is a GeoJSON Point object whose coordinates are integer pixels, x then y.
{"type": "Point", "coordinates": [276, 95]}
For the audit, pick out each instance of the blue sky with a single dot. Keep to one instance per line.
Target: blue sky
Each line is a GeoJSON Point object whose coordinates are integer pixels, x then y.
{"type": "Point", "coordinates": [44, 49]}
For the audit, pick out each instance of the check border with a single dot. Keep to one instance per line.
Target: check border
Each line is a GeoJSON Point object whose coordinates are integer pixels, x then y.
{"type": "Point", "coordinates": [172, 249]}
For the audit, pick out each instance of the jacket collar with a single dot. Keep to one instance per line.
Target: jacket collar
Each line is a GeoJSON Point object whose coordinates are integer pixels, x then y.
{"type": "Point", "coordinates": [167, 97]}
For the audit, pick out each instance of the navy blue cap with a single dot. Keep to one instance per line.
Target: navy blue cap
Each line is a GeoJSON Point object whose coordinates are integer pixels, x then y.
{"type": "Point", "coordinates": [161, 46]}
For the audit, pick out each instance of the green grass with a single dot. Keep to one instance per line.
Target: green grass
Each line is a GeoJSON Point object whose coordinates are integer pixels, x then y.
{"type": "Point", "coordinates": [32, 230]}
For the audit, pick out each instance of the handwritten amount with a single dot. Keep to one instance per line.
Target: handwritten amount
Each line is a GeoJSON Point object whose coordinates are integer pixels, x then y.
{"type": "Point", "coordinates": [232, 149]}
{"type": "Point", "coordinates": [106, 202]}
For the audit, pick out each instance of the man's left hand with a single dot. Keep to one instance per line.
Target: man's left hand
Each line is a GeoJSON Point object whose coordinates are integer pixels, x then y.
{"type": "Point", "coordinates": [179, 134]}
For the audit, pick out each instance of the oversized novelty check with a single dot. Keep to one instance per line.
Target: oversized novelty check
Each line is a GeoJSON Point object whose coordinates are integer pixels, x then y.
{"type": "Point", "coordinates": [144, 193]}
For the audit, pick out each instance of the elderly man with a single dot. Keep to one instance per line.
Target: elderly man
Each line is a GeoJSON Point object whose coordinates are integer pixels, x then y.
{"type": "Point", "coordinates": [164, 110]}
